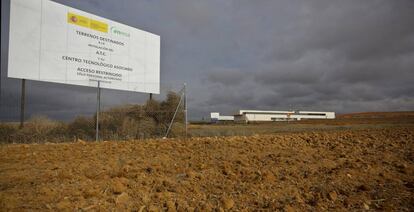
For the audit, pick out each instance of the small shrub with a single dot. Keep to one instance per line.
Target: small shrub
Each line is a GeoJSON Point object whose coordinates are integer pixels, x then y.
{"type": "Point", "coordinates": [119, 123]}
{"type": "Point", "coordinates": [6, 132]}
{"type": "Point", "coordinates": [129, 128]}
{"type": "Point", "coordinates": [82, 127]}
{"type": "Point", "coordinates": [40, 125]}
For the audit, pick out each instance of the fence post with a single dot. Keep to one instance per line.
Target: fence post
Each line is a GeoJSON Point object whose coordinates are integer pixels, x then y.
{"type": "Point", "coordinates": [175, 113]}
{"type": "Point", "coordinates": [185, 110]}
{"type": "Point", "coordinates": [98, 107]}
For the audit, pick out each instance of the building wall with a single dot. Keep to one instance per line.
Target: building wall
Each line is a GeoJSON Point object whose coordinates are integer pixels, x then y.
{"type": "Point", "coordinates": [264, 117]}
{"type": "Point", "coordinates": [313, 114]}
{"type": "Point", "coordinates": [240, 118]}
{"type": "Point", "coordinates": [308, 117]}
{"type": "Point", "coordinates": [214, 117]}
{"type": "Point", "coordinates": [330, 115]}
{"type": "Point", "coordinates": [288, 116]}
{"type": "Point", "coordinates": [257, 115]}
{"type": "Point", "coordinates": [226, 118]}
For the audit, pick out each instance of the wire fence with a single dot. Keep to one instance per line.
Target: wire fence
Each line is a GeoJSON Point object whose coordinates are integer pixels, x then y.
{"type": "Point", "coordinates": [60, 113]}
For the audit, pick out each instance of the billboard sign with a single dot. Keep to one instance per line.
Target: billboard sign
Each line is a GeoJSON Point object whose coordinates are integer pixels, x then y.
{"type": "Point", "coordinates": [56, 43]}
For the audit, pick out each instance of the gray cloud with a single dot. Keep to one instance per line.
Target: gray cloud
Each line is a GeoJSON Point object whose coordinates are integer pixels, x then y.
{"type": "Point", "coordinates": [226, 77]}
{"type": "Point", "coordinates": [344, 56]}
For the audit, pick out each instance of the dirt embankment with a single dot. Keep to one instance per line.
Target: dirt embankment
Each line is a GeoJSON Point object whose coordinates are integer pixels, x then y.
{"type": "Point", "coordinates": [348, 170]}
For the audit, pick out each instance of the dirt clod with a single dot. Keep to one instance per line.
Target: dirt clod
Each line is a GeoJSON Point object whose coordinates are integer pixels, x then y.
{"type": "Point", "coordinates": [64, 204]}
{"type": "Point", "coordinates": [338, 170]}
{"type": "Point", "coordinates": [227, 202]}
{"type": "Point", "coordinates": [333, 196]}
{"type": "Point", "coordinates": [288, 208]}
{"type": "Point", "coordinates": [170, 206]}
{"type": "Point", "coordinates": [118, 187]}
{"type": "Point", "coordinates": [122, 199]}
{"type": "Point", "coordinates": [366, 206]}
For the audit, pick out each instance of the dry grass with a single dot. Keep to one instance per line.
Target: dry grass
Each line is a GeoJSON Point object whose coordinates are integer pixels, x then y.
{"type": "Point", "coordinates": [120, 123]}
{"type": "Point", "coordinates": [228, 129]}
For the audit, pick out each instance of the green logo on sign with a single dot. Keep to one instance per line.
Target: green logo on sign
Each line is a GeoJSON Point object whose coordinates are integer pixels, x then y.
{"type": "Point", "coordinates": [116, 31]}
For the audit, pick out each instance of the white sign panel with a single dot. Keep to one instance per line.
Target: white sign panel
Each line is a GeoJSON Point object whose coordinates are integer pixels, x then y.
{"type": "Point", "coordinates": [55, 43]}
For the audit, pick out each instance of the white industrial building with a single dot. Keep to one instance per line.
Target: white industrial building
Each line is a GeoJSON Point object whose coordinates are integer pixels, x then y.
{"type": "Point", "coordinates": [215, 117]}
{"type": "Point", "coordinates": [265, 115]}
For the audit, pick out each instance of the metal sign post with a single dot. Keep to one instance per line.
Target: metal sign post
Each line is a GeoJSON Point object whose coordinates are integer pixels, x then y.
{"type": "Point", "coordinates": [98, 107]}
{"type": "Point", "coordinates": [22, 102]}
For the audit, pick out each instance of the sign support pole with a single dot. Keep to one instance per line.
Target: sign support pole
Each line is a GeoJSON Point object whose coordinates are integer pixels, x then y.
{"type": "Point", "coordinates": [22, 103]}
{"type": "Point", "coordinates": [98, 108]}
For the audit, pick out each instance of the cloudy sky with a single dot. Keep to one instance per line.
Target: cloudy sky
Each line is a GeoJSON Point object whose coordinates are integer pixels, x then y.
{"type": "Point", "coordinates": [328, 55]}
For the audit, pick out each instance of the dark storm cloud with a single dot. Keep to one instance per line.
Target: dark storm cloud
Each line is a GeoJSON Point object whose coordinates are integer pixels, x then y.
{"type": "Point", "coordinates": [353, 54]}
{"type": "Point", "coordinates": [358, 30]}
{"type": "Point", "coordinates": [226, 77]}
{"type": "Point", "coordinates": [337, 55]}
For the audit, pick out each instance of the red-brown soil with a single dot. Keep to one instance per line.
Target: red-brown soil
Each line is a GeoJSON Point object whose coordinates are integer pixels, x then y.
{"type": "Point", "coordinates": [365, 169]}
{"type": "Point", "coordinates": [402, 114]}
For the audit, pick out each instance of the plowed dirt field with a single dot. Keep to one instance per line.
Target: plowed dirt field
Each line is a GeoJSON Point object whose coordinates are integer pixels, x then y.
{"type": "Point", "coordinates": [366, 169]}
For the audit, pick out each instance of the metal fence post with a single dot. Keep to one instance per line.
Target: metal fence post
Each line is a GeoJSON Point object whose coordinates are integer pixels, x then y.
{"type": "Point", "coordinates": [185, 110]}
{"type": "Point", "coordinates": [175, 113]}
{"type": "Point", "coordinates": [98, 107]}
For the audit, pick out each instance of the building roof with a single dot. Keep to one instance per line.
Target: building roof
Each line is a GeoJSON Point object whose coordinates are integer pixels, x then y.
{"type": "Point", "coordinates": [264, 112]}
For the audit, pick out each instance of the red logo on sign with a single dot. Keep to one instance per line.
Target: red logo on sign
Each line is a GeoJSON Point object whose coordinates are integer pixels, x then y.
{"type": "Point", "coordinates": [74, 19]}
